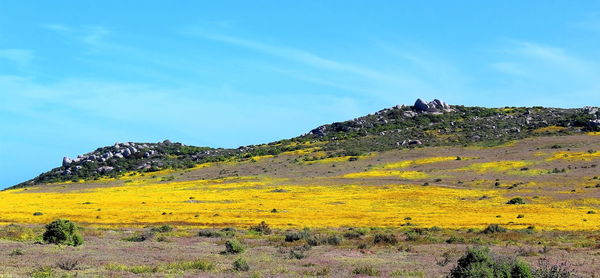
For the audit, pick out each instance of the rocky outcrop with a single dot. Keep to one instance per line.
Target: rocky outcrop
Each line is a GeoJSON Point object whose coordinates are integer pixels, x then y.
{"type": "Point", "coordinates": [421, 105]}
{"type": "Point", "coordinates": [434, 106]}
{"type": "Point", "coordinates": [66, 161]}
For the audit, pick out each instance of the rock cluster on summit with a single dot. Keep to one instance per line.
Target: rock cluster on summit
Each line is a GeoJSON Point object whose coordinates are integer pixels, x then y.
{"type": "Point", "coordinates": [434, 106]}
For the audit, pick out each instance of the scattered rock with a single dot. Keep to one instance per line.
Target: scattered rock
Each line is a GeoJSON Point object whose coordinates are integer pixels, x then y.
{"type": "Point", "coordinates": [105, 169]}
{"type": "Point", "coordinates": [590, 110]}
{"type": "Point", "coordinates": [411, 142]}
{"type": "Point", "coordinates": [409, 114]}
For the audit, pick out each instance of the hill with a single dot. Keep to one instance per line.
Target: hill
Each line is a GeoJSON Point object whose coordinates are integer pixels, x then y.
{"type": "Point", "coordinates": [346, 199]}
{"type": "Point", "coordinates": [422, 124]}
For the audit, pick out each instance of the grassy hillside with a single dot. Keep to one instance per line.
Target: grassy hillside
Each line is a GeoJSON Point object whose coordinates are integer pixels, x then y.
{"type": "Point", "coordinates": [401, 193]}
{"type": "Point", "coordinates": [451, 187]}
{"type": "Point", "coordinates": [399, 127]}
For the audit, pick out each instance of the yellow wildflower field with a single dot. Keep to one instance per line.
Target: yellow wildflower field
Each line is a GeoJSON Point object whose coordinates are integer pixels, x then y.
{"type": "Point", "coordinates": [381, 173]}
{"type": "Point", "coordinates": [408, 163]}
{"type": "Point", "coordinates": [496, 166]}
{"type": "Point", "coordinates": [585, 156]}
{"type": "Point", "coordinates": [249, 200]}
{"type": "Point", "coordinates": [550, 129]}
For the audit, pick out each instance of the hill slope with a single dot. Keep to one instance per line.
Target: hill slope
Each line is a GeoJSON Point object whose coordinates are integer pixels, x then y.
{"type": "Point", "coordinates": [422, 124]}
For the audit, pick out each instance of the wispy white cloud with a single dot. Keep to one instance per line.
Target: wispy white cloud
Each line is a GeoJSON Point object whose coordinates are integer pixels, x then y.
{"type": "Point", "coordinates": [537, 72]}
{"type": "Point", "coordinates": [292, 54]}
{"type": "Point", "coordinates": [389, 84]}
{"type": "Point", "coordinates": [533, 59]}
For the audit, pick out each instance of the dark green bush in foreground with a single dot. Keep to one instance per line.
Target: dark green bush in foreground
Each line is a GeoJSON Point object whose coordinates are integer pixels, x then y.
{"type": "Point", "coordinates": [62, 231]}
{"type": "Point", "coordinates": [233, 246]}
{"type": "Point", "coordinates": [240, 264]}
{"type": "Point", "coordinates": [478, 263]}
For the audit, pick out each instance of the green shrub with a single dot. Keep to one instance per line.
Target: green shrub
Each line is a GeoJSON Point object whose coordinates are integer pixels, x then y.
{"type": "Point", "coordinates": [162, 229]}
{"type": "Point", "coordinates": [42, 272]}
{"type": "Point", "coordinates": [494, 228]}
{"type": "Point", "coordinates": [385, 239]}
{"type": "Point", "coordinates": [262, 228]}
{"type": "Point", "coordinates": [189, 265]}
{"type": "Point", "coordinates": [516, 201]}
{"type": "Point", "coordinates": [366, 270]}
{"type": "Point", "coordinates": [334, 240]}
{"type": "Point", "coordinates": [240, 264]}
{"type": "Point", "coordinates": [321, 240]}
{"type": "Point", "coordinates": [297, 235]}
{"type": "Point", "coordinates": [210, 233]}
{"type": "Point", "coordinates": [64, 232]}
{"type": "Point", "coordinates": [141, 237]}
{"type": "Point", "coordinates": [299, 252]}
{"type": "Point", "coordinates": [454, 239]}
{"type": "Point", "coordinates": [478, 263]}
{"type": "Point", "coordinates": [68, 264]}
{"type": "Point", "coordinates": [233, 246]}
{"type": "Point", "coordinates": [16, 252]}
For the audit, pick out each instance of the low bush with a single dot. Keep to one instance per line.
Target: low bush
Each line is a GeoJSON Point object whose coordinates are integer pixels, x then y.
{"type": "Point", "coordinates": [68, 264]}
{"type": "Point", "coordinates": [42, 272]}
{"type": "Point", "coordinates": [189, 265]}
{"type": "Point", "coordinates": [162, 229]}
{"type": "Point", "coordinates": [64, 232]}
{"type": "Point", "coordinates": [16, 252]}
{"type": "Point", "coordinates": [385, 239]}
{"type": "Point", "coordinates": [455, 239]}
{"type": "Point", "coordinates": [478, 263]}
{"type": "Point", "coordinates": [516, 201]}
{"type": "Point", "coordinates": [233, 246]}
{"type": "Point", "coordinates": [366, 270]}
{"type": "Point", "coordinates": [299, 252]}
{"type": "Point", "coordinates": [262, 228]}
{"type": "Point", "coordinates": [322, 240]}
{"type": "Point", "coordinates": [240, 264]}
{"type": "Point", "coordinates": [141, 237]}
{"type": "Point", "coordinates": [494, 228]}
{"type": "Point", "coordinates": [297, 235]}
{"type": "Point", "coordinates": [211, 233]}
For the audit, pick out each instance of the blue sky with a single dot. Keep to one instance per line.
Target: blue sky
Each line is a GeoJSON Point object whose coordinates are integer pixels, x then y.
{"type": "Point", "coordinates": [77, 75]}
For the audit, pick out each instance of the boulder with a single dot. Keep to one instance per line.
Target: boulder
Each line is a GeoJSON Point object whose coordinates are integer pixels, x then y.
{"type": "Point", "coordinates": [435, 106]}
{"type": "Point", "coordinates": [595, 123]}
{"type": "Point", "coordinates": [411, 142]}
{"type": "Point", "coordinates": [409, 114]}
{"type": "Point", "coordinates": [126, 152]}
{"type": "Point", "coordinates": [590, 110]}
{"type": "Point", "coordinates": [105, 169]}
{"type": "Point", "coordinates": [440, 104]}
{"type": "Point", "coordinates": [420, 105]}
{"type": "Point", "coordinates": [66, 161]}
